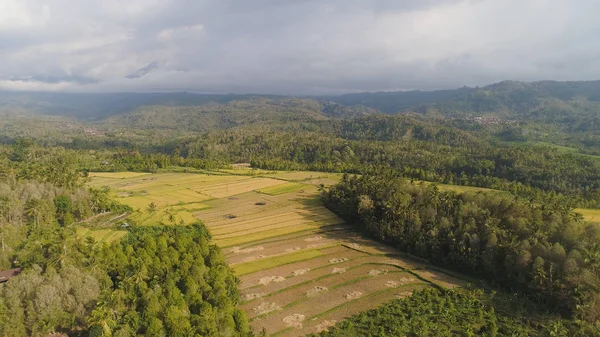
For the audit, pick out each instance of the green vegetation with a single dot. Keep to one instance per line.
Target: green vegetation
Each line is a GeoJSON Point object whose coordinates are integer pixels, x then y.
{"type": "Point", "coordinates": [251, 267]}
{"type": "Point", "coordinates": [97, 281]}
{"type": "Point", "coordinates": [176, 284]}
{"type": "Point", "coordinates": [544, 250]}
{"type": "Point", "coordinates": [431, 312]}
{"type": "Point", "coordinates": [501, 183]}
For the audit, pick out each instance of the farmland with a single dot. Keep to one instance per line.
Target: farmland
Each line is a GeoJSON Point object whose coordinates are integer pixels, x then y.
{"type": "Point", "coordinates": [591, 215]}
{"type": "Point", "coordinates": [301, 268]}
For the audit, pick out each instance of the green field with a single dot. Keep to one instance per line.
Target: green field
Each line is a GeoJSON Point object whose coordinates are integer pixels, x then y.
{"type": "Point", "coordinates": [100, 235]}
{"type": "Point", "coordinates": [251, 267]}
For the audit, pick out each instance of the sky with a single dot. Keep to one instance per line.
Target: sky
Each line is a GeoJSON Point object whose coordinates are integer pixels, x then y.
{"type": "Point", "coordinates": [297, 47]}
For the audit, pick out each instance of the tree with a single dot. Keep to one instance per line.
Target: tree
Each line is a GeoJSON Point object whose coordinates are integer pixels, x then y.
{"type": "Point", "coordinates": [152, 207]}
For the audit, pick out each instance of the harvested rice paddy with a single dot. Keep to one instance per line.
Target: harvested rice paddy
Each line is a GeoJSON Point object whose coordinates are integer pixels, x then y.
{"type": "Point", "coordinates": [301, 268]}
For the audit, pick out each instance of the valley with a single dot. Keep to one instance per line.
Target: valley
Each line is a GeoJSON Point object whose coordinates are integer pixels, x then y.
{"type": "Point", "coordinates": [302, 269]}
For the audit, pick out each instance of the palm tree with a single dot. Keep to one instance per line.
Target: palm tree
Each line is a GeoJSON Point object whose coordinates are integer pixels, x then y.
{"type": "Point", "coordinates": [591, 257]}
{"type": "Point", "coordinates": [33, 210]}
{"type": "Point", "coordinates": [576, 217]}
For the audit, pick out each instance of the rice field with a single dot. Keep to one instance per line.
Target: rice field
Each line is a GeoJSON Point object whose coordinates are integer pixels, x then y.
{"type": "Point", "coordinates": [100, 235]}
{"type": "Point", "coordinates": [283, 188]}
{"type": "Point", "coordinates": [591, 215]}
{"type": "Point", "coordinates": [301, 268]}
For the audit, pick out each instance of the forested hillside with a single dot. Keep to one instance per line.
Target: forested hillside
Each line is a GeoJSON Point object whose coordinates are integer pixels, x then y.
{"type": "Point", "coordinates": [156, 281]}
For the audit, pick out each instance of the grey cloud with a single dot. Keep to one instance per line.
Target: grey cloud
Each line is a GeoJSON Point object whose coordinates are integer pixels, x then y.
{"type": "Point", "coordinates": [294, 46]}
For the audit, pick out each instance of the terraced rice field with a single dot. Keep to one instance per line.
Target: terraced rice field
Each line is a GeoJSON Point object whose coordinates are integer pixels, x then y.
{"type": "Point", "coordinates": [301, 268]}
{"type": "Point", "coordinates": [101, 235]}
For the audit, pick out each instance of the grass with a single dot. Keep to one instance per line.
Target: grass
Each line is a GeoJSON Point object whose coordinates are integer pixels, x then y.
{"type": "Point", "coordinates": [460, 188]}
{"type": "Point", "coordinates": [230, 242]}
{"type": "Point", "coordinates": [282, 189]}
{"type": "Point", "coordinates": [254, 266]}
{"type": "Point", "coordinates": [463, 189]}
{"type": "Point", "coordinates": [100, 235]}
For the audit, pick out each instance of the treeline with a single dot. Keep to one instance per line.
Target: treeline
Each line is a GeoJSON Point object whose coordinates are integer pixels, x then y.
{"type": "Point", "coordinates": [544, 250]}
{"type": "Point", "coordinates": [133, 160]}
{"type": "Point", "coordinates": [430, 150]}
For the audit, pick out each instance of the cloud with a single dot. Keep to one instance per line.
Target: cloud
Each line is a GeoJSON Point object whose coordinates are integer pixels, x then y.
{"type": "Point", "coordinates": [293, 46]}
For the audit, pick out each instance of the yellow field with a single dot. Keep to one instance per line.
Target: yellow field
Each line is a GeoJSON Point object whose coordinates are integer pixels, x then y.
{"type": "Point", "coordinates": [591, 215]}
{"type": "Point", "coordinates": [283, 188]}
{"type": "Point", "coordinates": [293, 255]}
{"type": "Point", "coordinates": [117, 175]}
{"type": "Point", "coordinates": [100, 235]}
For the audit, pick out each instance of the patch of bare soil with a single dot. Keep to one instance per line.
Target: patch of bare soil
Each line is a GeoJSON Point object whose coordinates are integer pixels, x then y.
{"type": "Point", "coordinates": [315, 291]}
{"type": "Point", "coordinates": [300, 271]}
{"type": "Point", "coordinates": [311, 246]}
{"type": "Point", "coordinates": [404, 294]}
{"type": "Point", "coordinates": [338, 260]}
{"type": "Point", "coordinates": [269, 279]}
{"type": "Point", "coordinates": [252, 258]}
{"type": "Point", "coordinates": [294, 321]}
{"type": "Point", "coordinates": [392, 284]}
{"type": "Point", "coordinates": [375, 272]}
{"type": "Point", "coordinates": [324, 325]}
{"type": "Point", "coordinates": [314, 238]}
{"type": "Point", "coordinates": [266, 307]}
{"type": "Point", "coordinates": [315, 245]}
{"type": "Point", "coordinates": [239, 250]}
{"type": "Point", "coordinates": [252, 296]}
{"type": "Point", "coordinates": [353, 295]}
{"type": "Point", "coordinates": [400, 282]}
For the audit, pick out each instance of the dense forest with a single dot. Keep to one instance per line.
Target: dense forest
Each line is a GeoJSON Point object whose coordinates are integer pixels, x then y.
{"type": "Point", "coordinates": [543, 250]}
{"type": "Point", "coordinates": [432, 312]}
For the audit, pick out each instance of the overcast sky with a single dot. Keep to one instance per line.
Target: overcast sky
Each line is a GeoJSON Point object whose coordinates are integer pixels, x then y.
{"type": "Point", "coordinates": [293, 46]}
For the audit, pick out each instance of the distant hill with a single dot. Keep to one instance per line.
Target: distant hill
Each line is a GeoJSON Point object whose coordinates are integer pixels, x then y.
{"type": "Point", "coordinates": [98, 106]}
{"type": "Point", "coordinates": [514, 99]}
{"type": "Point", "coordinates": [572, 106]}
{"type": "Point", "coordinates": [102, 106]}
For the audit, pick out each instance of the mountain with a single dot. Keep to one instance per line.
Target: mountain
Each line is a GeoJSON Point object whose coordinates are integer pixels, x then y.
{"type": "Point", "coordinates": [515, 99]}
{"type": "Point", "coordinates": [99, 106]}
{"type": "Point", "coordinates": [570, 104]}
